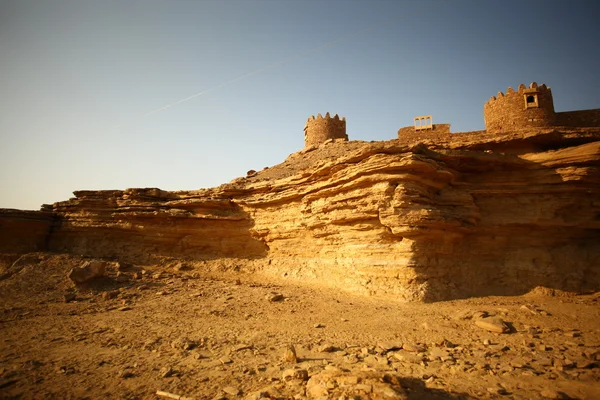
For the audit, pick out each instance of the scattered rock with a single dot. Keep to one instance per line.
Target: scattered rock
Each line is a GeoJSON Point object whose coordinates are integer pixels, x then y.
{"type": "Point", "coordinates": [319, 325]}
{"type": "Point", "coordinates": [497, 390]}
{"type": "Point", "coordinates": [389, 346]}
{"type": "Point", "coordinates": [528, 309]}
{"type": "Point", "coordinates": [436, 353]}
{"type": "Point", "coordinates": [585, 364]}
{"type": "Point", "coordinates": [326, 348]}
{"type": "Point", "coordinates": [87, 271]}
{"type": "Point", "coordinates": [125, 308]}
{"type": "Point", "coordinates": [225, 360]}
{"type": "Point", "coordinates": [231, 390]}
{"type": "Point", "coordinates": [69, 297]}
{"type": "Point", "coordinates": [316, 388]}
{"type": "Point", "coordinates": [553, 394]}
{"type": "Point", "coordinates": [493, 324]}
{"type": "Point", "coordinates": [413, 348]}
{"type": "Point", "coordinates": [293, 373]}
{"type": "Point", "coordinates": [241, 347]}
{"type": "Point", "coordinates": [289, 354]}
{"type": "Point", "coordinates": [110, 294]}
{"type": "Point", "coordinates": [274, 297]}
{"type": "Point", "coordinates": [183, 344]}
{"type": "Point", "coordinates": [403, 355]}
{"type": "Point", "coordinates": [126, 373]}
{"type": "Point", "coordinates": [166, 372]}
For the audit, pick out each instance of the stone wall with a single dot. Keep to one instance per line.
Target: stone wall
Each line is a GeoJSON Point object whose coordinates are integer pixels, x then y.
{"type": "Point", "coordinates": [582, 118]}
{"type": "Point", "coordinates": [512, 111]}
{"type": "Point", "coordinates": [409, 133]}
{"type": "Point", "coordinates": [320, 129]}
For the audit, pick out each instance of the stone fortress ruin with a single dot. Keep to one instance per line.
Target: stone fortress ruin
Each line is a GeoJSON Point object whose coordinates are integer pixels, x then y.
{"type": "Point", "coordinates": [525, 108]}
{"type": "Point", "coordinates": [320, 129]}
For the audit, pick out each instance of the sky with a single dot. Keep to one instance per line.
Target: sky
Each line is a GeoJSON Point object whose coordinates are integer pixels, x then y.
{"type": "Point", "coordinates": [81, 80]}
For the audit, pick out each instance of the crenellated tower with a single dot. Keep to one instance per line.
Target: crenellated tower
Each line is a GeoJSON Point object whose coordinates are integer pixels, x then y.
{"type": "Point", "coordinates": [531, 107]}
{"type": "Point", "coordinates": [320, 129]}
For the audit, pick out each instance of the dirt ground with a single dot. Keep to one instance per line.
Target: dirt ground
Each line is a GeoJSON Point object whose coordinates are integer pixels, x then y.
{"type": "Point", "coordinates": [202, 334]}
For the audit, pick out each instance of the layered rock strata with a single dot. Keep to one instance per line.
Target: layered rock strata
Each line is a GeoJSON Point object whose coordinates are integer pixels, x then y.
{"type": "Point", "coordinates": [466, 215]}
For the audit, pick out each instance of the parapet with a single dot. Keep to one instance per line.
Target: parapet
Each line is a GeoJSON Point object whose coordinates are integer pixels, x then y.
{"type": "Point", "coordinates": [319, 129]}
{"type": "Point", "coordinates": [526, 107]}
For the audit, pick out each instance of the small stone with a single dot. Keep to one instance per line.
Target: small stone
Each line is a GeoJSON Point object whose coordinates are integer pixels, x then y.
{"type": "Point", "coordinates": [326, 348]}
{"type": "Point", "coordinates": [231, 390]}
{"type": "Point", "coordinates": [274, 297]}
{"type": "Point", "coordinates": [225, 360]}
{"type": "Point", "coordinates": [552, 394]}
{"type": "Point", "coordinates": [436, 353]}
{"type": "Point", "coordinates": [87, 271]}
{"type": "Point", "coordinates": [496, 390]}
{"type": "Point", "coordinates": [121, 277]}
{"type": "Point", "coordinates": [69, 297]}
{"type": "Point", "coordinates": [528, 309]}
{"type": "Point", "coordinates": [182, 344]}
{"type": "Point", "coordinates": [158, 275]}
{"type": "Point", "coordinates": [543, 362]}
{"type": "Point", "coordinates": [125, 374]}
{"type": "Point", "coordinates": [389, 346]}
{"type": "Point", "coordinates": [319, 325]}
{"type": "Point", "coordinates": [241, 347]}
{"type": "Point", "coordinates": [166, 372]}
{"type": "Point", "coordinates": [492, 324]}
{"type": "Point", "coordinates": [414, 348]}
{"type": "Point", "coordinates": [289, 355]}
{"type": "Point", "coordinates": [486, 342]}
{"type": "Point", "coordinates": [315, 388]}
{"type": "Point", "coordinates": [585, 364]}
{"type": "Point", "coordinates": [298, 374]}
{"type": "Point", "coordinates": [125, 308]}
{"type": "Point", "coordinates": [403, 355]}
{"type": "Point", "coordinates": [110, 294]}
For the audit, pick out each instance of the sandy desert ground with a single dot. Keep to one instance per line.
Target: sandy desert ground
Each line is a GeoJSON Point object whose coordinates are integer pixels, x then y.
{"type": "Point", "coordinates": [147, 332]}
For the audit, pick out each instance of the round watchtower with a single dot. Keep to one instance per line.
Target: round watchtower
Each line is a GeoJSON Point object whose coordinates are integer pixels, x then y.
{"type": "Point", "coordinates": [526, 108]}
{"type": "Point", "coordinates": [320, 129]}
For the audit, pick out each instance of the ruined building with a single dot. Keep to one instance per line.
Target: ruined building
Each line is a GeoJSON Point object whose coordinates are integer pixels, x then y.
{"type": "Point", "coordinates": [532, 107]}
{"type": "Point", "coordinates": [528, 107]}
{"type": "Point", "coordinates": [320, 129]}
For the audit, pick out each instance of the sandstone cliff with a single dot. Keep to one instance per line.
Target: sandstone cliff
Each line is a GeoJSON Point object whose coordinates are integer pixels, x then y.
{"type": "Point", "coordinates": [464, 215]}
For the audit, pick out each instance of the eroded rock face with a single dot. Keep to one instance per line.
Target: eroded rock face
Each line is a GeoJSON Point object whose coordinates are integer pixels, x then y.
{"type": "Point", "coordinates": [470, 215]}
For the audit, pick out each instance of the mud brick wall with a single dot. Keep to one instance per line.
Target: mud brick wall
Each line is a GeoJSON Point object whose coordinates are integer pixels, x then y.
{"type": "Point", "coordinates": [410, 133]}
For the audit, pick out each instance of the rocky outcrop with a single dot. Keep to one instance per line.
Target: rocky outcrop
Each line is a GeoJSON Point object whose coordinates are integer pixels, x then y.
{"type": "Point", "coordinates": [466, 215]}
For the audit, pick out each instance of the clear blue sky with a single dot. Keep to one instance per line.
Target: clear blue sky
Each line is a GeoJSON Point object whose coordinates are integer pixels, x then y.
{"type": "Point", "coordinates": [76, 78]}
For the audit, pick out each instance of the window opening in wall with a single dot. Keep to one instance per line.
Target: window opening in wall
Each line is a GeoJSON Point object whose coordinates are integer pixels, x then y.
{"type": "Point", "coordinates": [531, 101]}
{"type": "Point", "coordinates": [424, 122]}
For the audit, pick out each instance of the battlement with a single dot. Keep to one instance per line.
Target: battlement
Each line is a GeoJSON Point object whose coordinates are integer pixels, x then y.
{"type": "Point", "coordinates": [521, 91]}
{"type": "Point", "coordinates": [327, 116]}
{"type": "Point", "coordinates": [527, 107]}
{"type": "Point", "coordinates": [319, 129]}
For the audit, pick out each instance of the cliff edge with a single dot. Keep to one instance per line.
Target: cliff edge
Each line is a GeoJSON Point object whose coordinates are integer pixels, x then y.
{"type": "Point", "coordinates": [467, 214]}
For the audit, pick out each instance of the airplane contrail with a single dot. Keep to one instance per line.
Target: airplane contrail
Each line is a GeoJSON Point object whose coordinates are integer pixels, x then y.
{"type": "Point", "coordinates": [291, 58]}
